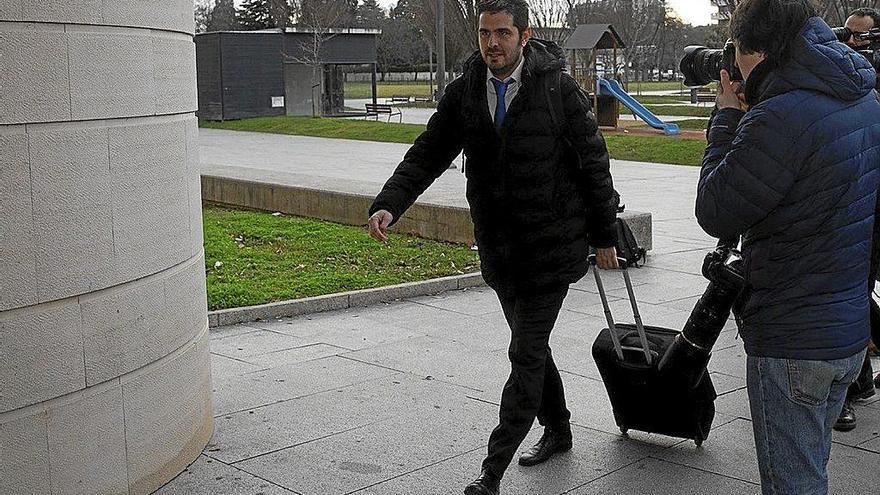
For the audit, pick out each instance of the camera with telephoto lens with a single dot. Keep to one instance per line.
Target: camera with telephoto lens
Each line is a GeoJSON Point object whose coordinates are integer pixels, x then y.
{"type": "Point", "coordinates": [701, 65]}
{"type": "Point", "coordinates": [872, 53]}
{"type": "Point", "coordinates": [689, 354]}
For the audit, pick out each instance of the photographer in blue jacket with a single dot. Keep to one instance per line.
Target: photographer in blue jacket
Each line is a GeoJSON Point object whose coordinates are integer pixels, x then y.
{"type": "Point", "coordinates": [792, 169]}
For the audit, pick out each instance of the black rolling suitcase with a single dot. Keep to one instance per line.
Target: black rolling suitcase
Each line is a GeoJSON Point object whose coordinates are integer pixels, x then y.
{"type": "Point", "coordinates": [642, 398]}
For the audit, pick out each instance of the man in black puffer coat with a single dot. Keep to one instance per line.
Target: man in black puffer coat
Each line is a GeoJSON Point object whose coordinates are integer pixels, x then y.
{"type": "Point", "coordinates": [540, 194]}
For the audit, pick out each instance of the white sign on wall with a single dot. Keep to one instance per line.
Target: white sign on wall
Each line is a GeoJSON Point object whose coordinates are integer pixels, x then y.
{"type": "Point", "coordinates": [277, 101]}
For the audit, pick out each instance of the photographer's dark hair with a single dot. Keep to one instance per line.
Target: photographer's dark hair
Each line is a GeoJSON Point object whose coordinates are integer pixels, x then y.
{"type": "Point", "coordinates": [518, 9]}
{"type": "Point", "coordinates": [874, 14]}
{"type": "Point", "coordinates": [769, 26]}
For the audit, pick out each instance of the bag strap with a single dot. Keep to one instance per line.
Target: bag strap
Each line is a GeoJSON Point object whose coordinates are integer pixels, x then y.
{"type": "Point", "coordinates": [612, 328]}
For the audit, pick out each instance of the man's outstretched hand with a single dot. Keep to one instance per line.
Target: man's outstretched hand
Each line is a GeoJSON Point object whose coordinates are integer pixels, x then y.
{"type": "Point", "coordinates": [379, 223]}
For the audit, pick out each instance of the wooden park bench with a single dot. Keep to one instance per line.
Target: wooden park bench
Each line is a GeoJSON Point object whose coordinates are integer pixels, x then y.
{"type": "Point", "coordinates": [423, 99]}
{"type": "Point", "coordinates": [702, 95]}
{"type": "Point", "coordinates": [399, 99]}
{"type": "Point", "coordinates": [377, 109]}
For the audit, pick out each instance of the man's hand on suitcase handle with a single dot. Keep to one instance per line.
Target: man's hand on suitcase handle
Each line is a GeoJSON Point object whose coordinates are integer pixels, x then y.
{"type": "Point", "coordinates": [606, 258]}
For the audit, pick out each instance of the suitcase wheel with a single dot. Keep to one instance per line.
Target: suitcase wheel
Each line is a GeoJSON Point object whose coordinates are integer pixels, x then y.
{"type": "Point", "coordinates": [624, 430]}
{"type": "Point", "coordinates": [699, 442]}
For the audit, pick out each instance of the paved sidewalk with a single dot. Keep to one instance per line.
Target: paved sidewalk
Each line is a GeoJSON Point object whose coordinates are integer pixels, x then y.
{"type": "Point", "coordinates": [400, 398]}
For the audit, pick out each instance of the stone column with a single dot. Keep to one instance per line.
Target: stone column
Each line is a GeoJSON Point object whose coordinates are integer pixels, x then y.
{"type": "Point", "coordinates": [105, 383]}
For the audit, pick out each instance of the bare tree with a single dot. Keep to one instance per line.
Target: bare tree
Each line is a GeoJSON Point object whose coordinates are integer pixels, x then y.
{"type": "Point", "coordinates": [320, 18]}
{"type": "Point", "coordinates": [552, 19]}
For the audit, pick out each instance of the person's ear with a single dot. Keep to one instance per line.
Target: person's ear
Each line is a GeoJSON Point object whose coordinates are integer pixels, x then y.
{"type": "Point", "coordinates": [526, 34]}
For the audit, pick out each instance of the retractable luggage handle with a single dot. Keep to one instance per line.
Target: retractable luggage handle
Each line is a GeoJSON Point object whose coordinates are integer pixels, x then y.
{"type": "Point", "coordinates": [615, 339]}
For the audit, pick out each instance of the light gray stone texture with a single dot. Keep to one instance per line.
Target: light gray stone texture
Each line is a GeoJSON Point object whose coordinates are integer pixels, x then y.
{"type": "Point", "coordinates": [35, 85]}
{"type": "Point", "coordinates": [185, 303]}
{"type": "Point", "coordinates": [61, 11]}
{"type": "Point", "coordinates": [350, 460]}
{"type": "Point", "coordinates": [234, 393]}
{"type": "Point", "coordinates": [167, 417]}
{"type": "Point", "coordinates": [105, 79]}
{"type": "Point", "coordinates": [87, 445]}
{"type": "Point", "coordinates": [150, 200]}
{"type": "Point", "coordinates": [210, 475]}
{"type": "Point", "coordinates": [593, 455]}
{"type": "Point", "coordinates": [172, 15]}
{"type": "Point", "coordinates": [174, 73]}
{"type": "Point", "coordinates": [194, 187]}
{"type": "Point", "coordinates": [369, 297]}
{"type": "Point", "coordinates": [124, 330]}
{"type": "Point", "coordinates": [18, 268]}
{"type": "Point", "coordinates": [24, 451]}
{"type": "Point", "coordinates": [41, 355]}
{"type": "Point", "coordinates": [72, 211]}
{"type": "Point", "coordinates": [657, 477]}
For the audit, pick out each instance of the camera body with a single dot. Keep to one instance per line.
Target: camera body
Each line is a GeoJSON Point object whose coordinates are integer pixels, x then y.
{"type": "Point", "coordinates": [724, 267]}
{"type": "Point", "coordinates": [701, 65]}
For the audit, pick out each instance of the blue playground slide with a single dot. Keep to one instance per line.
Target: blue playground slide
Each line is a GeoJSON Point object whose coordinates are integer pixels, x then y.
{"type": "Point", "coordinates": [611, 87]}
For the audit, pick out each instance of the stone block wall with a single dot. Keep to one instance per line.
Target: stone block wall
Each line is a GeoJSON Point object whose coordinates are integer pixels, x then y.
{"type": "Point", "coordinates": [105, 382]}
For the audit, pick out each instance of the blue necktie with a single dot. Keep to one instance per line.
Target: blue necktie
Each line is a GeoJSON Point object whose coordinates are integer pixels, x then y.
{"type": "Point", "coordinates": [500, 110]}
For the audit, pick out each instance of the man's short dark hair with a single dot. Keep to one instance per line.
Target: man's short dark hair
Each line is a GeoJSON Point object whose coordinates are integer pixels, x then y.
{"type": "Point", "coordinates": [874, 14]}
{"type": "Point", "coordinates": [518, 9]}
{"type": "Point", "coordinates": [769, 26]}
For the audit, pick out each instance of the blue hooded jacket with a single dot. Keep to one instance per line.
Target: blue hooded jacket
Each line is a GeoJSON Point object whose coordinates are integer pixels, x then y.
{"type": "Point", "coordinates": [796, 176]}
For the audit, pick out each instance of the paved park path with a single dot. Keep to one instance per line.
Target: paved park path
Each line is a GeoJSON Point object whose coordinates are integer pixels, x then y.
{"type": "Point", "coordinates": [399, 399]}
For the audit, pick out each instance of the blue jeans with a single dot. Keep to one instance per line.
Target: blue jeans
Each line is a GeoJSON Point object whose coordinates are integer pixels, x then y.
{"type": "Point", "coordinates": [794, 404]}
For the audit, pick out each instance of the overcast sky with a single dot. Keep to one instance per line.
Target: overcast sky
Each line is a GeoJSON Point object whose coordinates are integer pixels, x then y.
{"type": "Point", "coordinates": [696, 12]}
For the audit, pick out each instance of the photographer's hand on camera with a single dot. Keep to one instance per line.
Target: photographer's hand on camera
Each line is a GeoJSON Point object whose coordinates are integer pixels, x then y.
{"type": "Point", "coordinates": [730, 94]}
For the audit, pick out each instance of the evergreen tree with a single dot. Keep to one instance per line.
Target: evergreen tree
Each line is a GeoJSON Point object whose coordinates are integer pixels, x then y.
{"type": "Point", "coordinates": [222, 16]}
{"type": "Point", "coordinates": [255, 14]}
{"type": "Point", "coordinates": [370, 14]}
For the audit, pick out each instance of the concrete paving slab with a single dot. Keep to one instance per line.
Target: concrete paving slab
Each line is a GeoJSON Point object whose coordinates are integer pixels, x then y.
{"type": "Point", "coordinates": [665, 286]}
{"type": "Point", "coordinates": [735, 403]}
{"type": "Point", "coordinates": [247, 434]}
{"type": "Point", "coordinates": [418, 435]}
{"type": "Point", "coordinates": [732, 453]}
{"type": "Point", "coordinates": [730, 361]}
{"type": "Point", "coordinates": [223, 367]}
{"type": "Point", "coordinates": [644, 477]}
{"type": "Point", "coordinates": [342, 329]}
{"type": "Point", "coordinates": [442, 359]}
{"type": "Point", "coordinates": [593, 455]}
{"type": "Point", "coordinates": [867, 429]}
{"type": "Point", "coordinates": [255, 344]}
{"type": "Point", "coordinates": [477, 302]}
{"type": "Point", "coordinates": [237, 393]}
{"type": "Point", "coordinates": [726, 384]}
{"type": "Point", "coordinates": [210, 476]}
{"type": "Point", "coordinates": [231, 331]}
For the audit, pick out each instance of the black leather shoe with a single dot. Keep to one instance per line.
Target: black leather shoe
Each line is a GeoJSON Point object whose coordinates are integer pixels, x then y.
{"type": "Point", "coordinates": [847, 419]}
{"type": "Point", "coordinates": [486, 484]}
{"type": "Point", "coordinates": [551, 442]}
{"type": "Point", "coordinates": [877, 381]}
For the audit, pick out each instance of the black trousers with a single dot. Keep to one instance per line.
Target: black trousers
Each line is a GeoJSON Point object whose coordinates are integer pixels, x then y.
{"type": "Point", "coordinates": [534, 388]}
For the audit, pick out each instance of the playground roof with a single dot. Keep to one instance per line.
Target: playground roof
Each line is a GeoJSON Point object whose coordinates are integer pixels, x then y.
{"type": "Point", "coordinates": [594, 36]}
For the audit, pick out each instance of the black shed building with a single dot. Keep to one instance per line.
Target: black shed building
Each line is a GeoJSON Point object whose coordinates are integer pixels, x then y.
{"type": "Point", "coordinates": [271, 72]}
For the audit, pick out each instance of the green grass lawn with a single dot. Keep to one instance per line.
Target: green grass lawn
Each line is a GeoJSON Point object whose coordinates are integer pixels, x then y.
{"type": "Point", "coordinates": [387, 89]}
{"type": "Point", "coordinates": [654, 100]}
{"type": "Point", "coordinates": [358, 129]}
{"type": "Point", "coordinates": [689, 124]}
{"type": "Point", "coordinates": [636, 148]}
{"type": "Point", "coordinates": [254, 257]}
{"type": "Point", "coordinates": [681, 110]}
